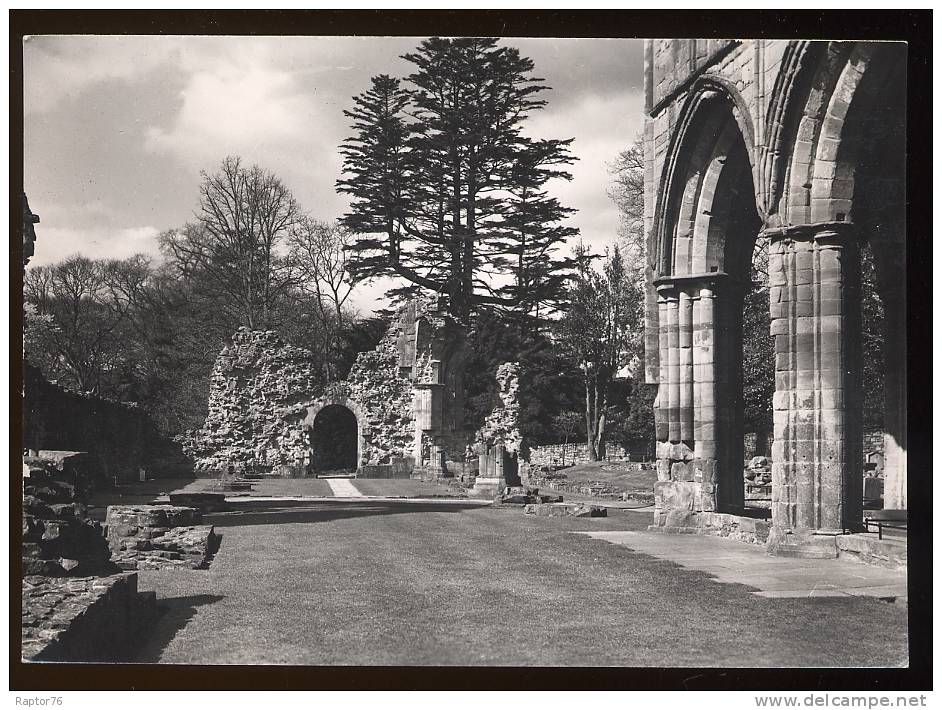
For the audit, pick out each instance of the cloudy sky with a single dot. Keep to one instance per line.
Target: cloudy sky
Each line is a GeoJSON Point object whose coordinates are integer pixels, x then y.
{"type": "Point", "coordinates": [117, 128]}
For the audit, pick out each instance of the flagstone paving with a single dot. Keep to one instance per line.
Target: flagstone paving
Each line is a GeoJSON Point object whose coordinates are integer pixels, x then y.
{"type": "Point", "coordinates": [343, 488]}
{"type": "Point", "coordinates": [733, 562]}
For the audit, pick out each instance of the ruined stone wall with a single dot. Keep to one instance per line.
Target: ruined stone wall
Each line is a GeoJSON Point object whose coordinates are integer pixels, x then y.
{"type": "Point", "coordinates": [257, 394]}
{"type": "Point", "coordinates": [380, 394]}
{"type": "Point", "coordinates": [265, 397]}
{"type": "Point", "coordinates": [407, 392]}
{"type": "Point", "coordinates": [120, 438]}
{"type": "Point", "coordinates": [502, 425]}
{"type": "Point", "coordinates": [574, 453]}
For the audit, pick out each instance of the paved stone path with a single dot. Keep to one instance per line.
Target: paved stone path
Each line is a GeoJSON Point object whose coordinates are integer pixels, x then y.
{"type": "Point", "coordinates": [343, 488]}
{"type": "Point", "coordinates": [733, 562]}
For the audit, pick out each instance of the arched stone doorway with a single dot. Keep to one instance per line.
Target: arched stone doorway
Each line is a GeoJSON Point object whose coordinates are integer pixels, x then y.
{"type": "Point", "coordinates": [334, 440]}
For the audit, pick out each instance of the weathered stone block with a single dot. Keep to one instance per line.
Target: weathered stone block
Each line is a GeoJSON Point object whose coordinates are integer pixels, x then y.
{"type": "Point", "coordinates": [675, 518]}
{"type": "Point", "coordinates": [579, 510]}
{"type": "Point", "coordinates": [675, 495]}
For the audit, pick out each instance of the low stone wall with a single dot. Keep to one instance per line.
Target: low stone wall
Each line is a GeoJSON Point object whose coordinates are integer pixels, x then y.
{"type": "Point", "coordinates": [596, 489]}
{"type": "Point", "coordinates": [399, 468]}
{"type": "Point", "coordinates": [734, 527]}
{"type": "Point", "coordinates": [889, 552]}
{"type": "Point", "coordinates": [82, 618]}
{"type": "Point", "coordinates": [556, 454]}
{"type": "Point", "coordinates": [158, 537]}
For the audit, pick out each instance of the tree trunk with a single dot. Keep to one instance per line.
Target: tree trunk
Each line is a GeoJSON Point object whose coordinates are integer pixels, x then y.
{"type": "Point", "coordinates": [590, 414]}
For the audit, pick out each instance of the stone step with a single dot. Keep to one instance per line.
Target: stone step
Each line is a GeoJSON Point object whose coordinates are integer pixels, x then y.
{"type": "Point", "coordinates": [804, 546]}
{"type": "Point", "coordinates": [867, 548]}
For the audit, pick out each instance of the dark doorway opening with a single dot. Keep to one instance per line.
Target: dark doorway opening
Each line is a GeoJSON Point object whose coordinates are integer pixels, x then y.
{"type": "Point", "coordinates": [334, 440]}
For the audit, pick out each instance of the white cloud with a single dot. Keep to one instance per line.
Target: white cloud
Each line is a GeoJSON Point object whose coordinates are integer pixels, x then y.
{"type": "Point", "coordinates": [54, 244]}
{"type": "Point", "coordinates": [275, 101]}
{"type": "Point", "coordinates": [60, 67]}
{"type": "Point", "coordinates": [602, 126]}
{"type": "Point", "coordinates": [235, 110]}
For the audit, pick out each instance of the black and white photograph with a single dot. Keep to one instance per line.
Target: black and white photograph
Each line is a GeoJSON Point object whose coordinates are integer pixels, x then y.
{"type": "Point", "coordinates": [528, 355]}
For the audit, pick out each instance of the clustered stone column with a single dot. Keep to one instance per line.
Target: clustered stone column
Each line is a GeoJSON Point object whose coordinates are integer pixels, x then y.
{"type": "Point", "coordinates": [815, 314]}
{"type": "Point", "coordinates": [689, 413]}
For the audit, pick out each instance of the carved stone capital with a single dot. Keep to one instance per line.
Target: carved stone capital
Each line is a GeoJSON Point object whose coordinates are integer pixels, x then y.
{"type": "Point", "coordinates": [837, 233]}
{"type": "Point", "coordinates": [671, 286]}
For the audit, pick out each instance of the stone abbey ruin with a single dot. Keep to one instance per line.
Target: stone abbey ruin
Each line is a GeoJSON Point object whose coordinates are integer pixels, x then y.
{"type": "Point", "coordinates": [399, 412]}
{"type": "Point", "coordinates": [801, 143]}
{"type": "Point", "coordinates": [402, 404]}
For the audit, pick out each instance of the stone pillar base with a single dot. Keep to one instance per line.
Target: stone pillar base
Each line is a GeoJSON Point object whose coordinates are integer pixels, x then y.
{"type": "Point", "coordinates": [785, 543]}
{"type": "Point", "coordinates": [487, 487]}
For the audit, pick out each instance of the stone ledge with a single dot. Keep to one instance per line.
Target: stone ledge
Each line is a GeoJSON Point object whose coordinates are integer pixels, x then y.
{"type": "Point", "coordinates": [726, 525]}
{"type": "Point", "coordinates": [784, 543]}
{"type": "Point", "coordinates": [887, 553]}
{"type": "Point", "coordinates": [82, 618]}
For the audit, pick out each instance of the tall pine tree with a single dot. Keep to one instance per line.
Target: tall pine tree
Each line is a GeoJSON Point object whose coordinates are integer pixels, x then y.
{"type": "Point", "coordinates": [446, 191]}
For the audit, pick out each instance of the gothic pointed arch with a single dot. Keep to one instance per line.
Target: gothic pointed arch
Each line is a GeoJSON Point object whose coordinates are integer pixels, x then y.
{"type": "Point", "coordinates": [713, 136]}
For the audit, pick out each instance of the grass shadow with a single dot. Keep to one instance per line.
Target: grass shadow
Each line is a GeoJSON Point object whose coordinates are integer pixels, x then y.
{"type": "Point", "coordinates": [284, 512]}
{"type": "Point", "coordinates": [173, 614]}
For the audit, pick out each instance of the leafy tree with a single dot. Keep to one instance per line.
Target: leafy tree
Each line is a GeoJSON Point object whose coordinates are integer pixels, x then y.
{"type": "Point", "coordinates": [758, 349]}
{"type": "Point", "coordinates": [80, 311]}
{"type": "Point", "coordinates": [873, 337]}
{"type": "Point", "coordinates": [446, 192]}
{"type": "Point", "coordinates": [603, 332]}
{"type": "Point", "coordinates": [549, 382]}
{"type": "Point", "coordinates": [627, 192]}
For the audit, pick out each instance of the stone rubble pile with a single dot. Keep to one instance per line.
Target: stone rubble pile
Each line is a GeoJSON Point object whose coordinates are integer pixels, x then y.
{"type": "Point", "coordinates": [576, 510]}
{"type": "Point", "coordinates": [76, 603]}
{"type": "Point", "coordinates": [759, 470]}
{"type": "Point", "coordinates": [59, 538]}
{"type": "Point", "coordinates": [158, 537]}
{"type": "Point", "coordinates": [517, 495]}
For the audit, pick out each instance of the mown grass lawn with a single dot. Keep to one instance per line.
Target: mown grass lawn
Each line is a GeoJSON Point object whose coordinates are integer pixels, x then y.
{"type": "Point", "coordinates": [404, 583]}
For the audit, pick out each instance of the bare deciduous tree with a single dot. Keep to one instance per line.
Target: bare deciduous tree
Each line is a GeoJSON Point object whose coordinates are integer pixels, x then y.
{"type": "Point", "coordinates": [245, 214]}
{"type": "Point", "coordinates": [75, 301]}
{"type": "Point", "coordinates": [318, 258]}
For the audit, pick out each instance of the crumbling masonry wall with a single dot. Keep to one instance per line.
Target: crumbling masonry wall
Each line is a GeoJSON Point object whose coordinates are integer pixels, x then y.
{"type": "Point", "coordinates": [502, 452]}
{"type": "Point", "coordinates": [406, 395]}
{"type": "Point", "coordinates": [257, 394]}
